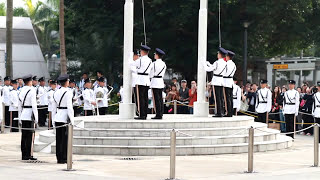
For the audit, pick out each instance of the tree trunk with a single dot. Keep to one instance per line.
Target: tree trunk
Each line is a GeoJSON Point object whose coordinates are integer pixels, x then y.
{"type": "Point", "coordinates": [9, 38]}
{"type": "Point", "coordinates": [63, 58]}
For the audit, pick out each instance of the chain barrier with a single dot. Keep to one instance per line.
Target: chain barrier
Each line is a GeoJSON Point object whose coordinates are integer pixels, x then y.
{"type": "Point", "coordinates": [218, 137]}
{"type": "Point", "coordinates": [31, 129]}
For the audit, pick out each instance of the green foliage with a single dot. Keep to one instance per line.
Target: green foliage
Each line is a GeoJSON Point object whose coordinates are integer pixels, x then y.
{"type": "Point", "coordinates": [2, 9]}
{"type": "Point", "coordinates": [20, 12]}
{"type": "Point", "coordinates": [113, 100]}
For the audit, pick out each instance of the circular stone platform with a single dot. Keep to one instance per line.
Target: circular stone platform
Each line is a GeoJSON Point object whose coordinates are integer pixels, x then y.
{"type": "Point", "coordinates": [107, 135]}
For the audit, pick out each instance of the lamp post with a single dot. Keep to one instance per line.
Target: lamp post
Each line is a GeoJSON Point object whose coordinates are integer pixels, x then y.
{"type": "Point", "coordinates": [245, 52]}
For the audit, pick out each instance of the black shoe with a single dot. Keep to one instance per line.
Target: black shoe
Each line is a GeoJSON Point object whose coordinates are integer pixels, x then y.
{"type": "Point", "coordinates": [25, 158]}
{"type": "Point", "coordinates": [156, 117]}
{"type": "Point", "coordinates": [137, 114]}
{"type": "Point", "coordinates": [140, 118]}
{"type": "Point", "coordinates": [60, 162]}
{"type": "Point", "coordinates": [228, 115]}
{"type": "Point", "coordinates": [218, 115]}
{"type": "Point", "coordinates": [32, 158]}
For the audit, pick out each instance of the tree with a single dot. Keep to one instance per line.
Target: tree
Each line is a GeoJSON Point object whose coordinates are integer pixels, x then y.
{"type": "Point", "coordinates": [20, 12]}
{"type": "Point", "coordinates": [63, 58]}
{"type": "Point", "coordinates": [2, 9]}
{"type": "Point", "coordinates": [9, 38]}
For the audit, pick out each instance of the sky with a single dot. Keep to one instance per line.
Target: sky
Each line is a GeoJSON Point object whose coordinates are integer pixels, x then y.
{"type": "Point", "coordinates": [20, 3]}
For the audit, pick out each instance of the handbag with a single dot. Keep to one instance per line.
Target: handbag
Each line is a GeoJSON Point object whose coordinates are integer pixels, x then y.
{"type": "Point", "coordinates": [244, 105]}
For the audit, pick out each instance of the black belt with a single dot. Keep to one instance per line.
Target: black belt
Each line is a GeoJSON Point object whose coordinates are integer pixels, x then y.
{"type": "Point", "coordinates": [317, 105]}
{"type": "Point", "coordinates": [157, 76]}
{"type": "Point", "coordinates": [235, 98]}
{"type": "Point", "coordinates": [42, 106]}
{"type": "Point", "coordinates": [263, 102]}
{"type": "Point", "coordinates": [290, 103]}
{"type": "Point", "coordinates": [62, 108]}
{"type": "Point", "coordinates": [218, 75]}
{"type": "Point", "coordinates": [143, 74]}
{"type": "Point", "coordinates": [27, 106]}
{"type": "Point", "coordinates": [227, 77]}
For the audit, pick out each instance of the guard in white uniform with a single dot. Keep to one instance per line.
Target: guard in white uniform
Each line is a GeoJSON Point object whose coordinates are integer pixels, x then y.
{"type": "Point", "coordinates": [52, 90]}
{"type": "Point", "coordinates": [316, 105]}
{"type": "Point", "coordinates": [96, 83]}
{"type": "Point", "coordinates": [14, 106]}
{"type": "Point", "coordinates": [228, 82]}
{"type": "Point", "coordinates": [158, 69]}
{"type": "Point", "coordinates": [75, 99]}
{"type": "Point", "coordinates": [136, 56]}
{"type": "Point", "coordinates": [291, 102]}
{"type": "Point", "coordinates": [101, 91]}
{"type": "Point", "coordinates": [6, 99]}
{"type": "Point", "coordinates": [42, 95]}
{"type": "Point", "coordinates": [28, 117]}
{"type": "Point", "coordinates": [88, 98]}
{"type": "Point", "coordinates": [219, 70]}
{"type": "Point", "coordinates": [63, 105]}
{"type": "Point", "coordinates": [35, 82]}
{"type": "Point", "coordinates": [143, 65]}
{"type": "Point", "coordinates": [237, 93]}
{"type": "Point", "coordinates": [263, 101]}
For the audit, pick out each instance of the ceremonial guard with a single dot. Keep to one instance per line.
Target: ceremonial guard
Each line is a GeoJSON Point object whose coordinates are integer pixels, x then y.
{"type": "Point", "coordinates": [237, 94]}
{"type": "Point", "coordinates": [14, 106]}
{"type": "Point", "coordinates": [219, 69]}
{"type": "Point", "coordinates": [6, 99]}
{"type": "Point", "coordinates": [53, 86]}
{"type": "Point", "coordinates": [134, 77]}
{"type": "Point", "coordinates": [263, 101]}
{"type": "Point", "coordinates": [228, 82]}
{"type": "Point", "coordinates": [35, 82]}
{"type": "Point", "coordinates": [291, 101]}
{"type": "Point", "coordinates": [143, 65]}
{"type": "Point", "coordinates": [316, 105]}
{"type": "Point", "coordinates": [158, 69]}
{"type": "Point", "coordinates": [64, 115]}
{"type": "Point", "coordinates": [75, 101]}
{"type": "Point", "coordinates": [88, 98]}
{"type": "Point", "coordinates": [101, 95]}
{"type": "Point", "coordinates": [99, 75]}
{"type": "Point", "coordinates": [28, 117]}
{"type": "Point", "coordinates": [42, 97]}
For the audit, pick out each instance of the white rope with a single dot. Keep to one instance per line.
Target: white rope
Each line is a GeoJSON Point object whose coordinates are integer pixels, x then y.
{"type": "Point", "coordinates": [144, 24]}
{"type": "Point", "coordinates": [219, 24]}
{"type": "Point", "coordinates": [35, 128]}
{"type": "Point", "coordinates": [291, 132]}
{"type": "Point", "coordinates": [219, 137]}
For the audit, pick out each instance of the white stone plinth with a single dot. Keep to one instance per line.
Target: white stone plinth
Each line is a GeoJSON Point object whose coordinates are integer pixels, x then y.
{"type": "Point", "coordinates": [126, 110]}
{"type": "Point", "coordinates": [201, 109]}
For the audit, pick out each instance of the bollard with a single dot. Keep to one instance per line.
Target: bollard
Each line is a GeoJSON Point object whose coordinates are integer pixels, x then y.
{"type": "Point", "coordinates": [173, 154]}
{"type": "Point", "coordinates": [250, 150]}
{"type": "Point", "coordinates": [175, 106]}
{"type": "Point", "coordinates": [70, 143]}
{"type": "Point", "coordinates": [3, 118]}
{"type": "Point", "coordinates": [316, 145]}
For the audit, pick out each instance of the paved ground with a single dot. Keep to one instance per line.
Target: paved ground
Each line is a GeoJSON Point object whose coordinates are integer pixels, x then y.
{"type": "Point", "coordinates": [293, 163]}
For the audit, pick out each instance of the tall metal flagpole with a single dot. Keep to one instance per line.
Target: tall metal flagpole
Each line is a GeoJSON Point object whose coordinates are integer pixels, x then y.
{"type": "Point", "coordinates": [201, 107]}
{"type": "Point", "coordinates": [126, 108]}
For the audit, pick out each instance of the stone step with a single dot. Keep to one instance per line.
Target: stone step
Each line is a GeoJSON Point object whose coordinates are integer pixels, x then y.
{"type": "Point", "coordinates": [47, 136]}
{"type": "Point", "coordinates": [39, 145]}
{"type": "Point", "coordinates": [172, 122]}
{"type": "Point", "coordinates": [282, 142]}
{"type": "Point", "coordinates": [165, 141]}
{"type": "Point", "coordinates": [96, 132]}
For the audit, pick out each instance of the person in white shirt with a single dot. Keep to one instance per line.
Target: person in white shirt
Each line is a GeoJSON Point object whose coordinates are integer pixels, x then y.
{"type": "Point", "coordinates": [14, 106]}
{"type": "Point", "coordinates": [75, 97]}
{"type": "Point", "coordinates": [219, 69]}
{"type": "Point", "coordinates": [53, 86]}
{"type": "Point", "coordinates": [316, 105]}
{"type": "Point", "coordinates": [63, 110]}
{"type": "Point", "coordinates": [101, 92]}
{"type": "Point", "coordinates": [136, 56]}
{"type": "Point", "coordinates": [237, 94]}
{"type": "Point", "coordinates": [143, 65]}
{"type": "Point", "coordinates": [6, 99]}
{"type": "Point", "coordinates": [228, 82]}
{"type": "Point", "coordinates": [42, 95]}
{"type": "Point", "coordinates": [158, 69]}
{"type": "Point", "coordinates": [35, 82]}
{"type": "Point", "coordinates": [28, 117]}
{"type": "Point", "coordinates": [99, 75]}
{"type": "Point", "coordinates": [82, 81]}
{"type": "Point", "coordinates": [291, 102]}
{"type": "Point", "coordinates": [263, 101]}
{"type": "Point", "coordinates": [88, 98]}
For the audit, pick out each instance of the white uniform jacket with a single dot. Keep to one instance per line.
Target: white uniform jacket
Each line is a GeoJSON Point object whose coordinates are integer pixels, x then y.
{"type": "Point", "coordinates": [6, 95]}
{"type": "Point", "coordinates": [263, 100]}
{"type": "Point", "coordinates": [158, 69]}
{"type": "Point", "coordinates": [28, 104]}
{"type": "Point", "coordinates": [236, 97]}
{"type": "Point", "coordinates": [228, 77]}
{"type": "Point", "coordinates": [134, 74]}
{"type": "Point", "coordinates": [104, 91]}
{"type": "Point", "coordinates": [50, 99]}
{"type": "Point", "coordinates": [62, 109]}
{"type": "Point", "coordinates": [43, 95]}
{"type": "Point", "coordinates": [291, 102]}
{"type": "Point", "coordinates": [219, 70]}
{"type": "Point", "coordinates": [316, 105]}
{"type": "Point", "coordinates": [14, 100]}
{"type": "Point", "coordinates": [143, 65]}
{"type": "Point", "coordinates": [88, 98]}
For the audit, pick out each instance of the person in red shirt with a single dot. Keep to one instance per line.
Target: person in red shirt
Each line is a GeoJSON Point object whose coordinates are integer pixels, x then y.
{"type": "Point", "coordinates": [192, 95]}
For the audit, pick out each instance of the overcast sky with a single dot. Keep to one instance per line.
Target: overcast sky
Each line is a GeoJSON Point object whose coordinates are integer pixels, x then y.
{"type": "Point", "coordinates": [20, 3]}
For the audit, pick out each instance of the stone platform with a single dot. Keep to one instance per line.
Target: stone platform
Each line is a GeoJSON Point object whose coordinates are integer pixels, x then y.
{"type": "Point", "coordinates": [107, 135]}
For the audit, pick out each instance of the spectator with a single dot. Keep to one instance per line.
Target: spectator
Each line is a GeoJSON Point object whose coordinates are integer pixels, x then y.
{"type": "Point", "coordinates": [172, 95]}
{"type": "Point", "coordinates": [183, 98]}
{"type": "Point", "coordinates": [166, 105]}
{"type": "Point", "coordinates": [299, 117]}
{"type": "Point", "coordinates": [251, 97]}
{"type": "Point", "coordinates": [275, 103]}
{"type": "Point", "coordinates": [192, 95]}
{"type": "Point", "coordinates": [307, 108]}
{"type": "Point", "coordinates": [210, 98]}
{"type": "Point", "coordinates": [175, 82]}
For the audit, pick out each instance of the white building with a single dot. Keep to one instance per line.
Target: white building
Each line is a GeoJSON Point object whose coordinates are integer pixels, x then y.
{"type": "Point", "coordinates": [27, 55]}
